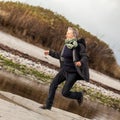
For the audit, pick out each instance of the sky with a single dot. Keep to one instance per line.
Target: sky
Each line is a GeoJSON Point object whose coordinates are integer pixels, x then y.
{"type": "Point", "coordinates": [99, 17]}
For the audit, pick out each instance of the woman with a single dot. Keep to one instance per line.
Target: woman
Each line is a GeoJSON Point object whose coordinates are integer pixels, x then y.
{"type": "Point", "coordinates": [74, 66]}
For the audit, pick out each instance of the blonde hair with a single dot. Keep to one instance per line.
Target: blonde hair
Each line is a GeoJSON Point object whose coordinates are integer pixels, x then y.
{"type": "Point", "coordinates": [75, 31]}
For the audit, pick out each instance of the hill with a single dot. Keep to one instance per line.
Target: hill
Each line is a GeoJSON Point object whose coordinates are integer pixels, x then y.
{"type": "Point", "coordinates": [45, 28]}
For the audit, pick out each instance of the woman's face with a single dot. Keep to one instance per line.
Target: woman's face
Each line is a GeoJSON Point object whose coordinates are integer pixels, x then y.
{"type": "Point", "coordinates": [69, 34]}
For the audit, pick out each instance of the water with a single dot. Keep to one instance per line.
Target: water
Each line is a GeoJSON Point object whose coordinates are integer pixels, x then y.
{"type": "Point", "coordinates": [38, 92]}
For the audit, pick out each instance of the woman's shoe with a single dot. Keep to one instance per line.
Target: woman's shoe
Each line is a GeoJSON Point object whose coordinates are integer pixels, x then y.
{"type": "Point", "coordinates": [45, 107]}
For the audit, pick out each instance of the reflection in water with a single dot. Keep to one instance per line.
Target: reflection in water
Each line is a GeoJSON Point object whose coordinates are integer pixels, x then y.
{"type": "Point", "coordinates": [96, 111]}
{"type": "Point", "coordinates": [38, 92]}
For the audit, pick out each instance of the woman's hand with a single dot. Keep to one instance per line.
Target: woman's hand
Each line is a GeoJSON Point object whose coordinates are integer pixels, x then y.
{"type": "Point", "coordinates": [46, 52]}
{"type": "Point", "coordinates": [78, 63]}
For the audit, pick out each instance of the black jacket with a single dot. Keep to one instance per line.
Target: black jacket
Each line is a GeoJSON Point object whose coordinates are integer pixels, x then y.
{"type": "Point", "coordinates": [79, 54]}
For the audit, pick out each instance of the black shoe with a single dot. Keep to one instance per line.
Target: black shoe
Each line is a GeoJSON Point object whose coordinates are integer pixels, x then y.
{"type": "Point", "coordinates": [45, 107]}
{"type": "Point", "coordinates": [80, 100]}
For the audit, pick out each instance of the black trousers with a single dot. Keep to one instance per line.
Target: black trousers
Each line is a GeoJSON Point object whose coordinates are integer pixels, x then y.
{"type": "Point", "coordinates": [70, 79]}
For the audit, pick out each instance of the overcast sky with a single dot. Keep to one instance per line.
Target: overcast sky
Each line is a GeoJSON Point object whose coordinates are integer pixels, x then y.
{"type": "Point", "coordinates": [99, 17]}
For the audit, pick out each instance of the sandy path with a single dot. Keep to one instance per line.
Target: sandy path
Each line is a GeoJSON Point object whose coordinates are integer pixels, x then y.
{"type": "Point", "coordinates": [24, 47]}
{"type": "Point", "coordinates": [26, 109]}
